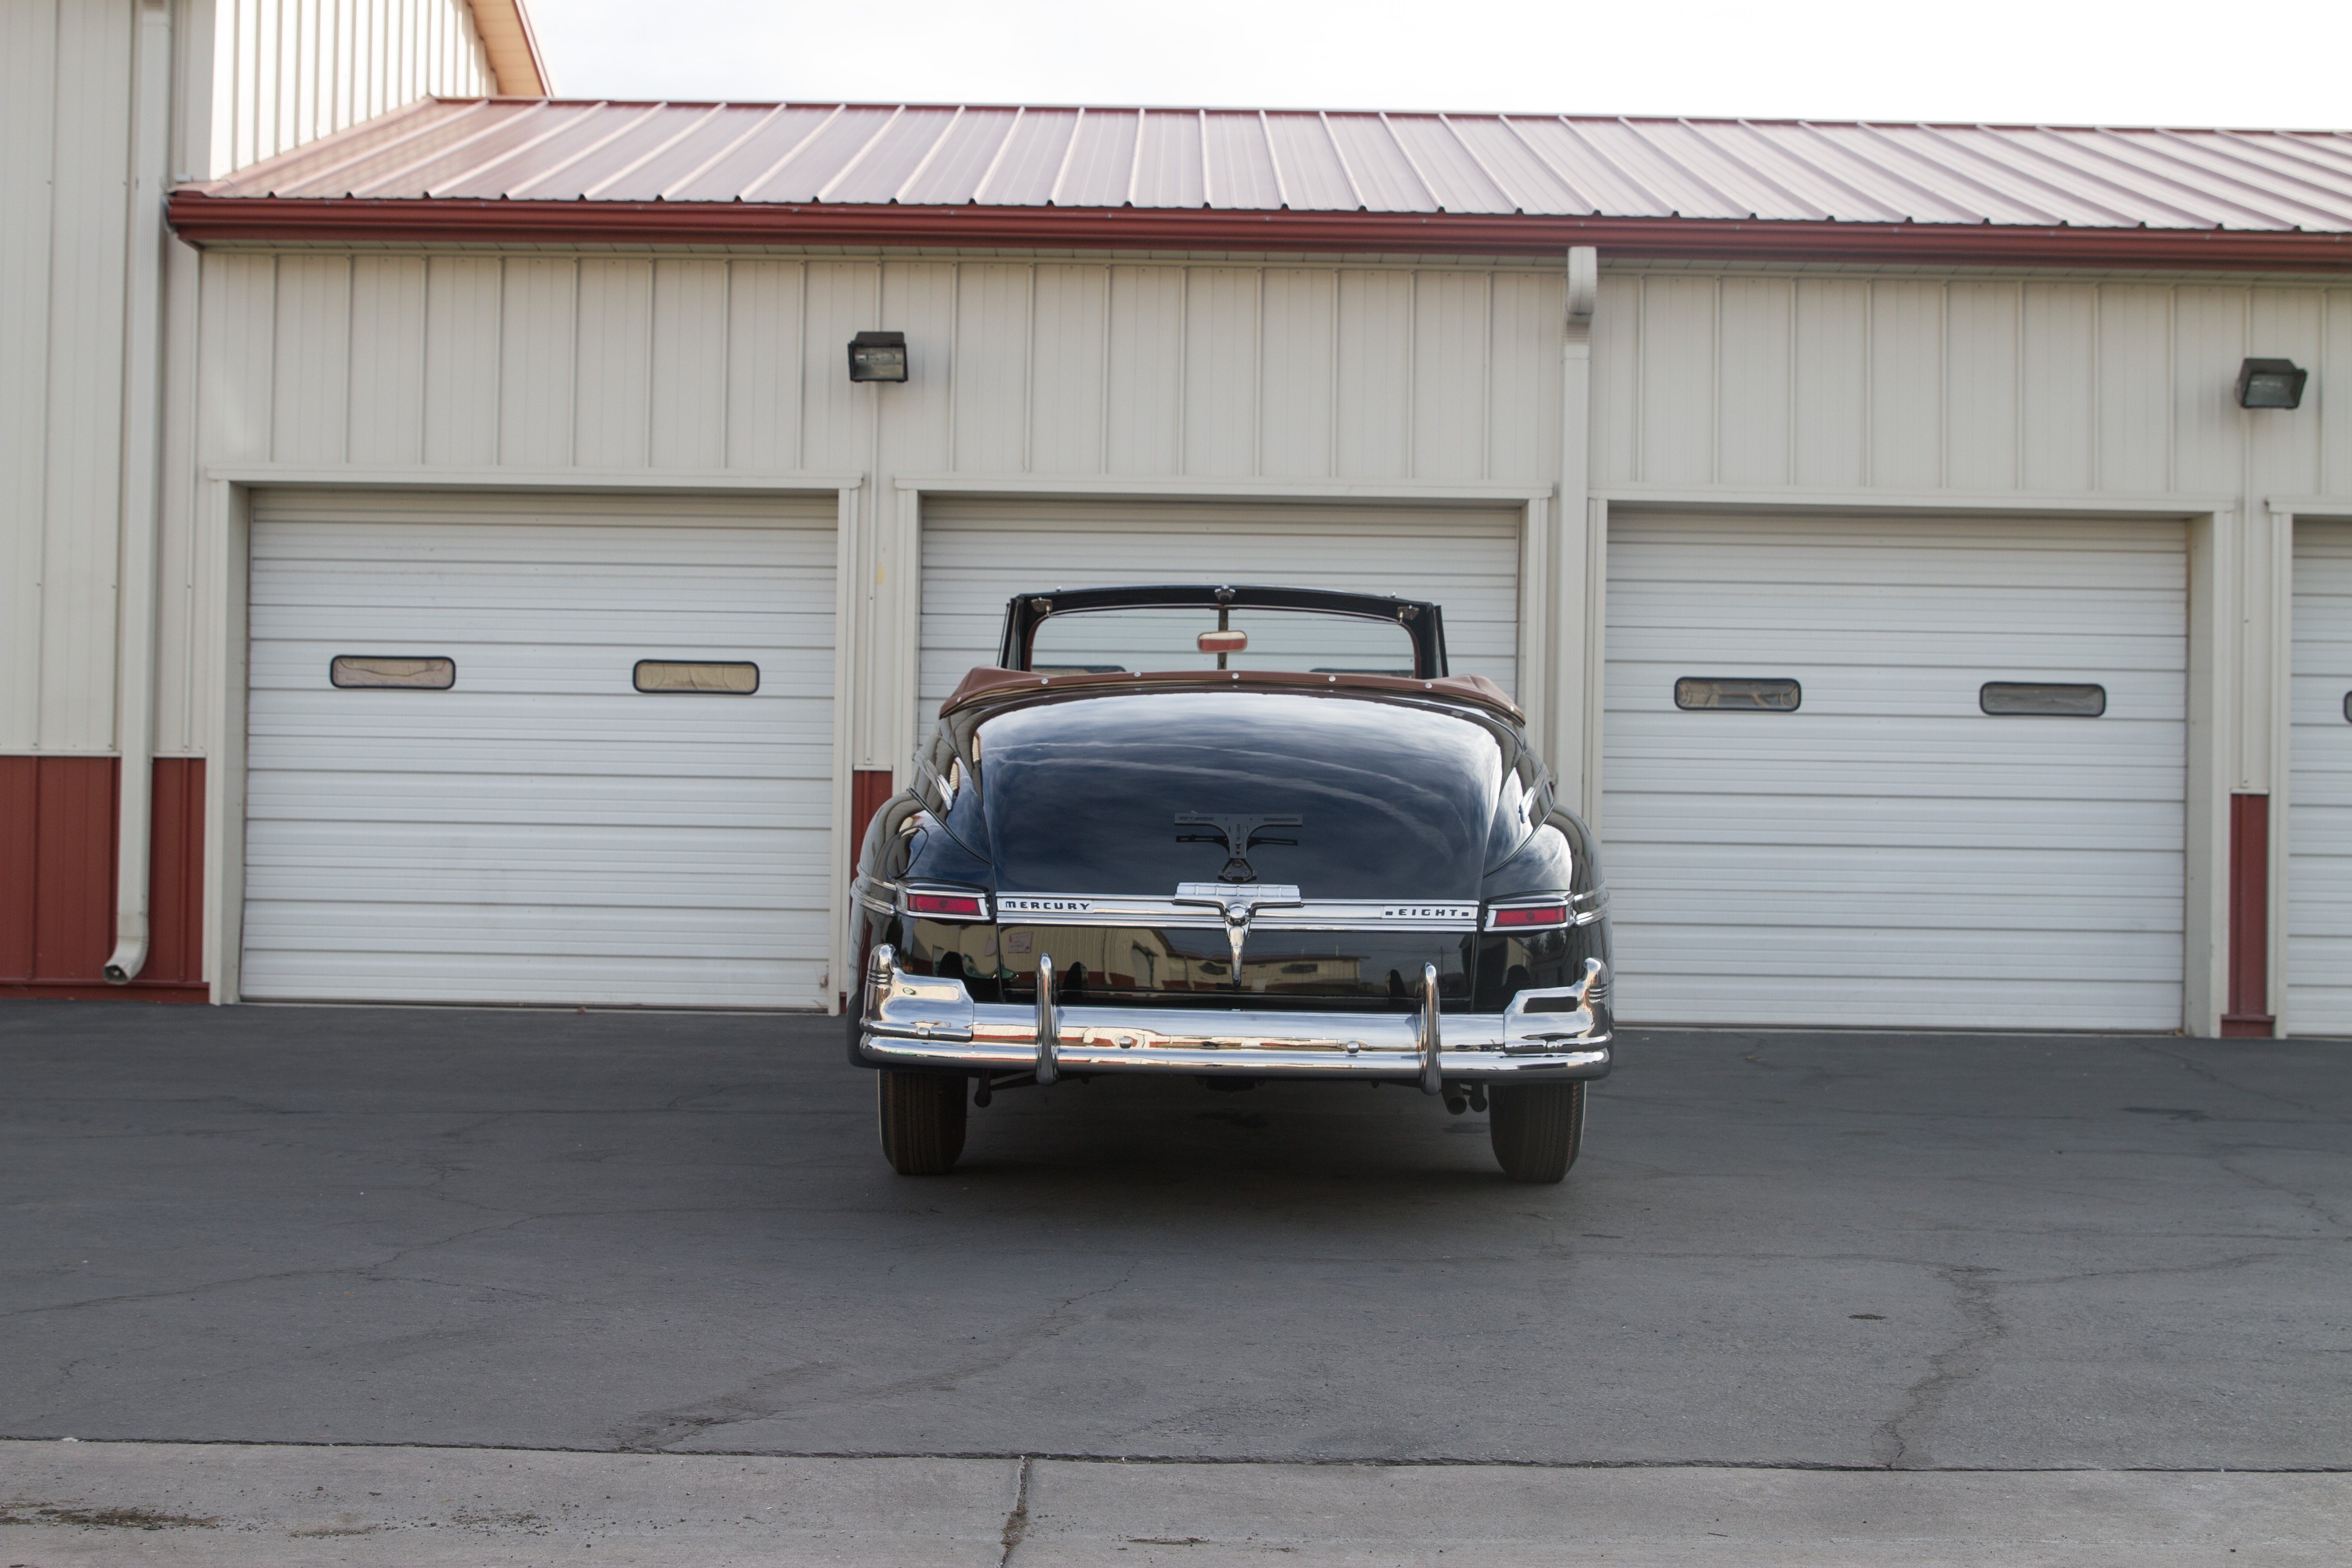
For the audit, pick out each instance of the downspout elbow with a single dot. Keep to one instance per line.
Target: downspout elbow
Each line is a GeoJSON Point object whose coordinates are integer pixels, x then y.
{"type": "Point", "coordinates": [129, 956]}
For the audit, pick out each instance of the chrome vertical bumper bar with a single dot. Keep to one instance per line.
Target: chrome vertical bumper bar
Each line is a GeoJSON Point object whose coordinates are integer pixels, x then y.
{"type": "Point", "coordinates": [1433, 1049]}
{"type": "Point", "coordinates": [1049, 1023]}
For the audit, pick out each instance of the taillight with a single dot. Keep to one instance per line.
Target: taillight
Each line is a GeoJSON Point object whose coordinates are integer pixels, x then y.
{"type": "Point", "coordinates": [955, 906]}
{"type": "Point", "coordinates": [1528, 917]}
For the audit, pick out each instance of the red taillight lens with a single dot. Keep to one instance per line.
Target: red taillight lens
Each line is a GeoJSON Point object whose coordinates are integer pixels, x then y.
{"type": "Point", "coordinates": [1527, 915]}
{"type": "Point", "coordinates": [961, 904]}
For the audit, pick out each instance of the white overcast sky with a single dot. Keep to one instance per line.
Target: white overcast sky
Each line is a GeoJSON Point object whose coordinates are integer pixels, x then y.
{"type": "Point", "coordinates": [2285, 63]}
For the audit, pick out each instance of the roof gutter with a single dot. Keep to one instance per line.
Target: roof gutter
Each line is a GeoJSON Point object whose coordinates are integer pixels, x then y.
{"type": "Point", "coordinates": [226, 220]}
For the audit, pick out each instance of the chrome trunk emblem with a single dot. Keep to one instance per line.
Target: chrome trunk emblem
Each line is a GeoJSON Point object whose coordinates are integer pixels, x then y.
{"type": "Point", "coordinates": [1238, 905]}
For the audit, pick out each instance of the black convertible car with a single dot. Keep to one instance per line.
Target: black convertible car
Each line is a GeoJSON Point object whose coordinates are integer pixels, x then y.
{"type": "Point", "coordinates": [1232, 833]}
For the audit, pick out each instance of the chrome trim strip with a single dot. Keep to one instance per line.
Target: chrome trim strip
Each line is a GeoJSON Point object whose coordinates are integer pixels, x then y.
{"type": "Point", "coordinates": [924, 1021]}
{"type": "Point", "coordinates": [1207, 909]}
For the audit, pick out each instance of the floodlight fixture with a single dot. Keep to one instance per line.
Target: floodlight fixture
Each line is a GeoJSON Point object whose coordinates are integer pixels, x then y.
{"type": "Point", "coordinates": [2271, 383]}
{"type": "Point", "coordinates": [878, 356]}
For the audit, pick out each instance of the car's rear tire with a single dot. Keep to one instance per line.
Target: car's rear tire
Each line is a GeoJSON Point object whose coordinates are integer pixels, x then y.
{"type": "Point", "coordinates": [1536, 1129]}
{"type": "Point", "coordinates": [922, 1119]}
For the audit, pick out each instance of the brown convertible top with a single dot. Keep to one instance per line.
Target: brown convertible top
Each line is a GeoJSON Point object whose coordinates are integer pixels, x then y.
{"type": "Point", "coordinates": [988, 680]}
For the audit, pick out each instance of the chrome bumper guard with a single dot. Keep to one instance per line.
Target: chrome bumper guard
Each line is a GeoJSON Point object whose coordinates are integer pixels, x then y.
{"type": "Point", "coordinates": [921, 1021]}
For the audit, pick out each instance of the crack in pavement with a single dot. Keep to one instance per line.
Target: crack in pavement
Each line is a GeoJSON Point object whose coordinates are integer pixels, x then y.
{"type": "Point", "coordinates": [1016, 1522]}
{"type": "Point", "coordinates": [1891, 1444]}
{"type": "Point", "coordinates": [2192, 1064]}
{"type": "Point", "coordinates": [659, 1431]}
{"type": "Point", "coordinates": [362, 1270]}
{"type": "Point", "coordinates": [2308, 1200]}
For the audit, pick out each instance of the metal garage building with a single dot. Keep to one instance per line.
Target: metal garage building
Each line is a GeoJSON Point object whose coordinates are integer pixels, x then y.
{"type": "Point", "coordinates": [546, 604]}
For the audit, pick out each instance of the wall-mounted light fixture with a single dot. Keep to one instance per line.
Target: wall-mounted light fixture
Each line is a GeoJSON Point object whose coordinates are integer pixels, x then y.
{"type": "Point", "coordinates": [2271, 383]}
{"type": "Point", "coordinates": [878, 356]}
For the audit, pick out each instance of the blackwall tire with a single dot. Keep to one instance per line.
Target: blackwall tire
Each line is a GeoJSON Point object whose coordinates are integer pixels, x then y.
{"type": "Point", "coordinates": [922, 1117]}
{"type": "Point", "coordinates": [1537, 1130]}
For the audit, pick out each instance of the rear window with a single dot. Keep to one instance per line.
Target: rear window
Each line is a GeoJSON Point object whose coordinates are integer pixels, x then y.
{"type": "Point", "coordinates": [1140, 638]}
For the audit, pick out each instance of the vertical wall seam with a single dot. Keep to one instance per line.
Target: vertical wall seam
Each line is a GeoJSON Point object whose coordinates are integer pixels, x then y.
{"type": "Point", "coordinates": [1183, 453]}
{"type": "Point", "coordinates": [2098, 433]}
{"type": "Point", "coordinates": [1485, 383]}
{"type": "Point", "coordinates": [1715, 380]}
{"type": "Point", "coordinates": [947, 372]}
{"type": "Point", "coordinates": [2172, 388]}
{"type": "Point", "coordinates": [1636, 407]}
{"type": "Point", "coordinates": [1788, 349]}
{"type": "Point", "coordinates": [1870, 383]}
{"type": "Point", "coordinates": [2017, 391]}
{"type": "Point", "coordinates": [1102, 376]}
{"type": "Point", "coordinates": [727, 369]}
{"type": "Point", "coordinates": [1413, 372]}
{"type": "Point", "coordinates": [1944, 385]}
{"type": "Point", "coordinates": [1331, 424]}
{"type": "Point", "coordinates": [800, 368]}
{"type": "Point", "coordinates": [1258, 381]}
{"type": "Point", "coordinates": [498, 362]}
{"type": "Point", "coordinates": [1029, 376]}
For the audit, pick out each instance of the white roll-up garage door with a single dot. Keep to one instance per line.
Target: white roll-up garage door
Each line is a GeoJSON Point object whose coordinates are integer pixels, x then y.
{"type": "Point", "coordinates": [489, 800]}
{"type": "Point", "coordinates": [979, 552]}
{"type": "Point", "coordinates": [1888, 853]}
{"type": "Point", "coordinates": [2319, 800]}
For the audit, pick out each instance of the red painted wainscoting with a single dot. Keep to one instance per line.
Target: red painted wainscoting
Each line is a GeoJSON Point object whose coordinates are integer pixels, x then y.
{"type": "Point", "coordinates": [56, 879]}
{"type": "Point", "coordinates": [2248, 1017]}
{"type": "Point", "coordinates": [869, 791]}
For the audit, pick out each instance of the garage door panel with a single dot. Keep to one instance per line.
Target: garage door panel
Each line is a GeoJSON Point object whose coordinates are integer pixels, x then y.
{"type": "Point", "coordinates": [542, 832]}
{"type": "Point", "coordinates": [733, 801]}
{"type": "Point", "coordinates": [558, 979]}
{"type": "Point", "coordinates": [672, 867]}
{"type": "Point", "coordinates": [1910, 1001]}
{"type": "Point", "coordinates": [1986, 554]}
{"type": "Point", "coordinates": [521, 928]}
{"type": "Point", "coordinates": [1913, 691]}
{"type": "Point", "coordinates": [1921, 782]}
{"type": "Point", "coordinates": [325, 729]}
{"type": "Point", "coordinates": [1848, 951]}
{"type": "Point", "coordinates": [1811, 820]}
{"type": "Point", "coordinates": [1859, 887]}
{"type": "Point", "coordinates": [979, 552]}
{"type": "Point", "coordinates": [1844, 641]}
{"type": "Point", "coordinates": [555, 676]}
{"type": "Point", "coordinates": [2319, 999]}
{"type": "Point", "coordinates": [1888, 838]}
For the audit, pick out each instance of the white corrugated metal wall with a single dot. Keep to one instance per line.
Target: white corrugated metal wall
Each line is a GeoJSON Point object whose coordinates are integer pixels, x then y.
{"type": "Point", "coordinates": [1173, 379]}
{"type": "Point", "coordinates": [1745, 385]}
{"type": "Point", "coordinates": [260, 75]}
{"type": "Point", "coordinates": [290, 71]}
{"type": "Point", "coordinates": [65, 146]}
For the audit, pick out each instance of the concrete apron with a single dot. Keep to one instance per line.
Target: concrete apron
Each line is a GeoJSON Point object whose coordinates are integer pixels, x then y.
{"type": "Point", "coordinates": [200, 1505]}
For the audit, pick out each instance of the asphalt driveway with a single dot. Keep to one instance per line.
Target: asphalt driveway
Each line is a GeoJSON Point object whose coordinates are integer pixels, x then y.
{"type": "Point", "coordinates": [674, 1232]}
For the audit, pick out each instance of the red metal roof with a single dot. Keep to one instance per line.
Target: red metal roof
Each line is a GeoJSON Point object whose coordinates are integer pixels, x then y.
{"type": "Point", "coordinates": [1268, 179]}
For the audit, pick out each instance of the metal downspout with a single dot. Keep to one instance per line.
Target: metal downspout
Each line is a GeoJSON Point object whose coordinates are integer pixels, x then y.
{"type": "Point", "coordinates": [151, 148]}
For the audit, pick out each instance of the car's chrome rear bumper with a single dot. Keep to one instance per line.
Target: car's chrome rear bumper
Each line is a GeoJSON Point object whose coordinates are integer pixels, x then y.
{"type": "Point", "coordinates": [920, 1021]}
